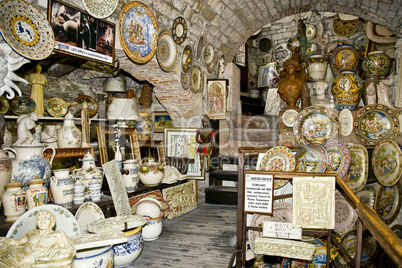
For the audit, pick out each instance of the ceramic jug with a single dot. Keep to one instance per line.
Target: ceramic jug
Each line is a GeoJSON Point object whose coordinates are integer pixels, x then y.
{"type": "Point", "coordinates": [13, 201]}
{"type": "Point", "coordinates": [130, 174]}
{"type": "Point", "coordinates": [62, 187]}
{"type": "Point", "coordinates": [5, 170]}
{"type": "Point", "coordinates": [29, 163]}
{"type": "Point", "coordinates": [69, 135]}
{"type": "Point", "coordinates": [36, 193]}
{"type": "Point", "coordinates": [88, 171]}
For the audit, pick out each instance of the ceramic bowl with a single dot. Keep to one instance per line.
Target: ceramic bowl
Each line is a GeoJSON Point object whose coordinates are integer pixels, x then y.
{"type": "Point", "coordinates": [153, 229]}
{"type": "Point", "coordinates": [101, 256]}
{"type": "Point", "coordinates": [126, 253]}
{"type": "Point", "coordinates": [149, 208]}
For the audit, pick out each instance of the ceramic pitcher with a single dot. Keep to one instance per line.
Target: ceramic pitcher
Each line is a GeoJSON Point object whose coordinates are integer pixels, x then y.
{"type": "Point", "coordinates": [88, 171]}
{"type": "Point", "coordinates": [62, 187]}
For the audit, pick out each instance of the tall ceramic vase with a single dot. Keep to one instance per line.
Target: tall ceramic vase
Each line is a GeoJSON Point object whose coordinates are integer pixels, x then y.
{"type": "Point", "coordinates": [344, 58]}
{"type": "Point", "coordinates": [317, 67]}
{"type": "Point", "coordinates": [347, 90]}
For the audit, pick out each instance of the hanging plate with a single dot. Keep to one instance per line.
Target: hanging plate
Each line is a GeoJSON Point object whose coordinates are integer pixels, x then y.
{"type": "Point", "coordinates": [167, 52]}
{"type": "Point", "coordinates": [100, 9]}
{"type": "Point", "coordinates": [23, 105]}
{"type": "Point", "coordinates": [186, 58]}
{"type": "Point", "coordinates": [179, 30]}
{"type": "Point", "coordinates": [386, 162]}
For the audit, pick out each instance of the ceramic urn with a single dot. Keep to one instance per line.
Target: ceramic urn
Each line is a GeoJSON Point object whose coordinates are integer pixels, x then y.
{"type": "Point", "coordinates": [344, 58]}
{"type": "Point", "coordinates": [376, 63]}
{"type": "Point", "coordinates": [347, 90]}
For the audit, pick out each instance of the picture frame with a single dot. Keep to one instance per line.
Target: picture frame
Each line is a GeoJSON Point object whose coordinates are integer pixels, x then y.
{"type": "Point", "coordinates": [216, 98]}
{"type": "Point", "coordinates": [240, 58]}
{"type": "Point", "coordinates": [67, 157]}
{"type": "Point", "coordinates": [181, 142]}
{"type": "Point", "coordinates": [79, 34]}
{"type": "Point", "coordinates": [161, 120]}
{"type": "Point", "coordinates": [267, 75]}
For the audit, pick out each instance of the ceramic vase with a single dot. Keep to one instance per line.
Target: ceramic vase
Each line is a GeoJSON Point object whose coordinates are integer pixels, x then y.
{"type": "Point", "coordinates": [62, 187]}
{"type": "Point", "coordinates": [118, 155]}
{"type": "Point", "coordinates": [37, 194]}
{"type": "Point", "coordinates": [317, 67]}
{"type": "Point", "coordinates": [94, 190]}
{"type": "Point", "coordinates": [144, 126]}
{"type": "Point", "coordinates": [13, 201]}
{"type": "Point", "coordinates": [344, 58]}
{"type": "Point", "coordinates": [151, 173]}
{"type": "Point", "coordinates": [69, 135]}
{"type": "Point", "coordinates": [130, 174]}
{"type": "Point", "coordinates": [126, 253]}
{"type": "Point", "coordinates": [29, 163]}
{"type": "Point", "coordinates": [79, 188]}
{"type": "Point", "coordinates": [347, 90]}
{"type": "Point", "coordinates": [376, 63]}
{"type": "Point", "coordinates": [5, 170]}
{"type": "Point", "coordinates": [87, 172]}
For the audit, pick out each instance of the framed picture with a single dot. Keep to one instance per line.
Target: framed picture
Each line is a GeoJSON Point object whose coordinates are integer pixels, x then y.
{"type": "Point", "coordinates": [216, 98]}
{"type": "Point", "coordinates": [67, 157]}
{"type": "Point", "coordinates": [161, 120]}
{"type": "Point", "coordinates": [78, 33]}
{"type": "Point", "coordinates": [240, 58]}
{"type": "Point", "coordinates": [267, 75]}
{"type": "Point", "coordinates": [180, 142]}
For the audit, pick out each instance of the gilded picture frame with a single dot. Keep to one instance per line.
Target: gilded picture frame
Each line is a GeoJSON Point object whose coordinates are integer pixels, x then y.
{"type": "Point", "coordinates": [161, 120]}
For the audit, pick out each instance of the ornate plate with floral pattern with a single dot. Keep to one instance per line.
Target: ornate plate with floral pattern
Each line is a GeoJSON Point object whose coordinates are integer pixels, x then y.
{"type": "Point", "coordinates": [344, 27]}
{"type": "Point", "coordinates": [388, 202]}
{"type": "Point", "coordinates": [185, 80]}
{"type": "Point", "coordinates": [386, 162]}
{"type": "Point", "coordinates": [56, 107]}
{"type": "Point", "coordinates": [281, 53]}
{"type": "Point", "coordinates": [91, 102]}
{"type": "Point", "coordinates": [26, 30]}
{"type": "Point", "coordinates": [316, 124]}
{"type": "Point", "coordinates": [196, 79]}
{"type": "Point", "coordinates": [100, 9]}
{"type": "Point", "coordinates": [374, 123]}
{"type": "Point", "coordinates": [345, 215]}
{"type": "Point", "coordinates": [358, 168]}
{"type": "Point", "coordinates": [278, 158]}
{"type": "Point", "coordinates": [179, 30]}
{"type": "Point", "coordinates": [292, 43]}
{"type": "Point", "coordinates": [311, 158]}
{"type": "Point", "coordinates": [167, 52]}
{"type": "Point", "coordinates": [338, 158]}
{"type": "Point", "coordinates": [138, 32]}
{"type": "Point", "coordinates": [186, 59]}
{"type": "Point", "coordinates": [208, 54]}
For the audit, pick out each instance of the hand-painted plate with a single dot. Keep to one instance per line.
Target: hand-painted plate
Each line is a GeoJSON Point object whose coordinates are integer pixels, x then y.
{"type": "Point", "coordinates": [397, 230]}
{"type": "Point", "coordinates": [310, 31]}
{"type": "Point", "coordinates": [311, 158]}
{"type": "Point", "coordinates": [292, 43]}
{"type": "Point", "coordinates": [179, 30]}
{"type": "Point", "coordinates": [4, 105]}
{"type": "Point", "coordinates": [196, 79]}
{"type": "Point", "coordinates": [338, 158]}
{"type": "Point", "coordinates": [281, 53]}
{"type": "Point", "coordinates": [88, 213]}
{"type": "Point", "coordinates": [386, 162]}
{"type": "Point", "coordinates": [198, 46]}
{"type": "Point", "coordinates": [167, 52]}
{"type": "Point", "coordinates": [91, 102]}
{"type": "Point", "coordinates": [289, 117]}
{"type": "Point", "coordinates": [100, 9]}
{"type": "Point", "coordinates": [23, 105]}
{"type": "Point", "coordinates": [346, 122]}
{"type": "Point", "coordinates": [278, 158]}
{"type": "Point", "coordinates": [388, 202]}
{"type": "Point", "coordinates": [185, 80]}
{"type": "Point", "coordinates": [26, 30]}
{"type": "Point", "coordinates": [138, 32]}
{"type": "Point", "coordinates": [374, 123]}
{"type": "Point", "coordinates": [345, 215]}
{"type": "Point", "coordinates": [208, 54]}
{"type": "Point", "coordinates": [344, 27]}
{"type": "Point", "coordinates": [316, 124]}
{"type": "Point", "coordinates": [56, 107]}
{"type": "Point", "coordinates": [311, 49]}
{"type": "Point", "coordinates": [367, 195]}
{"type": "Point", "coordinates": [358, 168]}
{"type": "Point", "coordinates": [186, 59]}
{"type": "Point", "coordinates": [360, 42]}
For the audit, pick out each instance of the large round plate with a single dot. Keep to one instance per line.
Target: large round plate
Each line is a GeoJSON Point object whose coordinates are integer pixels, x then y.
{"type": "Point", "coordinates": [65, 221]}
{"type": "Point", "coordinates": [26, 30]}
{"type": "Point", "coordinates": [345, 215]}
{"type": "Point", "coordinates": [344, 27]}
{"type": "Point", "coordinates": [281, 53]}
{"type": "Point", "coordinates": [374, 123]}
{"type": "Point", "coordinates": [23, 105]}
{"type": "Point", "coordinates": [311, 158]}
{"type": "Point", "coordinates": [167, 52]}
{"type": "Point", "coordinates": [358, 169]}
{"type": "Point", "coordinates": [386, 162]}
{"type": "Point", "coordinates": [100, 9]}
{"type": "Point", "coordinates": [56, 107]}
{"type": "Point", "coordinates": [278, 158]}
{"type": "Point", "coordinates": [179, 30]}
{"type": "Point", "coordinates": [208, 54]}
{"type": "Point", "coordinates": [138, 32]}
{"type": "Point", "coordinates": [88, 213]}
{"type": "Point", "coordinates": [367, 195]}
{"type": "Point", "coordinates": [316, 124]}
{"type": "Point", "coordinates": [338, 158]}
{"type": "Point", "coordinates": [196, 79]}
{"type": "Point", "coordinates": [186, 59]}
{"type": "Point", "coordinates": [388, 202]}
{"type": "Point", "coordinates": [91, 104]}
{"type": "Point", "coordinates": [4, 105]}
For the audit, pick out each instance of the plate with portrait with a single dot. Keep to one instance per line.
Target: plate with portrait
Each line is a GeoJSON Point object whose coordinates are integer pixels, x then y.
{"type": "Point", "coordinates": [23, 105]}
{"type": "Point", "coordinates": [100, 9]}
{"type": "Point", "coordinates": [358, 168]}
{"type": "Point", "coordinates": [179, 30]}
{"type": "Point", "coordinates": [4, 104]}
{"type": "Point", "coordinates": [311, 157]}
{"type": "Point", "coordinates": [56, 107]}
{"type": "Point", "coordinates": [167, 52]}
{"type": "Point", "coordinates": [388, 202]}
{"type": "Point", "coordinates": [338, 158]}
{"type": "Point", "coordinates": [345, 215]}
{"type": "Point", "coordinates": [91, 102]}
{"type": "Point", "coordinates": [386, 162]}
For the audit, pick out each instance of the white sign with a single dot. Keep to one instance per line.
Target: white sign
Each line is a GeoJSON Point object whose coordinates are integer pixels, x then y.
{"type": "Point", "coordinates": [281, 230]}
{"type": "Point", "coordinates": [258, 193]}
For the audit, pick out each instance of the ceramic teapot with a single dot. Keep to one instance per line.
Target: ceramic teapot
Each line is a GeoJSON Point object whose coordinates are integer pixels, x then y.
{"type": "Point", "coordinates": [88, 171]}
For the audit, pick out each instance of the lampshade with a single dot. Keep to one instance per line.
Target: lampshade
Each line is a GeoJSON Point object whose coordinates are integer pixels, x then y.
{"type": "Point", "coordinates": [123, 109]}
{"type": "Point", "coordinates": [115, 84]}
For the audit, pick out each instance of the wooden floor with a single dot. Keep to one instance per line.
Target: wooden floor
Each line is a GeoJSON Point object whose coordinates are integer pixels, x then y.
{"type": "Point", "coordinates": [204, 237]}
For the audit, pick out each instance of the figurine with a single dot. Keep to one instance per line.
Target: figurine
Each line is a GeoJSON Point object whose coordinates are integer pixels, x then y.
{"type": "Point", "coordinates": [371, 94]}
{"type": "Point", "coordinates": [38, 81]}
{"type": "Point", "coordinates": [221, 67]}
{"type": "Point", "coordinates": [273, 102]}
{"type": "Point", "coordinates": [321, 98]}
{"type": "Point", "coordinates": [205, 137]}
{"type": "Point", "coordinates": [383, 95]}
{"type": "Point", "coordinates": [49, 136]}
{"type": "Point", "coordinates": [25, 124]}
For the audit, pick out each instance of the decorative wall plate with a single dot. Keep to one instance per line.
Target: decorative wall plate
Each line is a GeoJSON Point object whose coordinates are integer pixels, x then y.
{"type": "Point", "coordinates": [185, 80]}
{"type": "Point", "coordinates": [26, 30]}
{"type": "Point", "coordinates": [397, 230]}
{"type": "Point", "coordinates": [289, 117]}
{"type": "Point", "coordinates": [186, 58]}
{"type": "Point", "coordinates": [311, 158]}
{"type": "Point", "coordinates": [367, 195]}
{"type": "Point", "coordinates": [388, 202]}
{"type": "Point", "coordinates": [320, 29]}
{"type": "Point", "coordinates": [292, 43]}
{"type": "Point", "coordinates": [167, 52]}
{"type": "Point", "coordinates": [281, 53]}
{"type": "Point", "coordinates": [278, 158]}
{"type": "Point", "coordinates": [88, 213]}
{"type": "Point", "coordinates": [23, 105]}
{"type": "Point", "coordinates": [208, 54]}
{"type": "Point", "coordinates": [349, 243]}
{"type": "Point", "coordinates": [65, 221]}
{"type": "Point", "coordinates": [374, 123]}
{"type": "Point", "coordinates": [264, 45]}
{"type": "Point", "coordinates": [138, 32]}
{"type": "Point", "coordinates": [277, 182]}
{"type": "Point", "coordinates": [338, 158]}
{"type": "Point", "coordinates": [196, 79]}
{"type": "Point", "coordinates": [4, 104]}
{"type": "Point", "coordinates": [386, 162]}
{"type": "Point", "coordinates": [310, 31]}
{"type": "Point", "coordinates": [211, 66]}
{"type": "Point", "coordinates": [179, 30]}
{"type": "Point", "coordinates": [56, 107]}
{"type": "Point", "coordinates": [360, 42]}
{"type": "Point", "coordinates": [198, 46]}
{"type": "Point", "coordinates": [91, 102]}
{"type": "Point", "coordinates": [316, 124]}
{"type": "Point", "coordinates": [358, 169]}
{"type": "Point", "coordinates": [345, 215]}
{"type": "Point", "coordinates": [344, 27]}
{"type": "Point", "coordinates": [100, 9]}
{"type": "Point", "coordinates": [345, 122]}
{"type": "Point", "coordinates": [311, 49]}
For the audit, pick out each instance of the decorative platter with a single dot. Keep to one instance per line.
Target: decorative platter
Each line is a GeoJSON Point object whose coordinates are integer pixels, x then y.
{"type": "Point", "coordinates": [320, 29]}
{"type": "Point", "coordinates": [310, 31]}
{"type": "Point", "coordinates": [311, 49]}
{"type": "Point", "coordinates": [167, 52]}
{"type": "Point", "coordinates": [100, 9]}
{"type": "Point", "coordinates": [278, 158]}
{"type": "Point", "coordinates": [23, 105]}
{"type": "Point", "coordinates": [344, 27]}
{"type": "Point", "coordinates": [311, 158]}
{"type": "Point", "coordinates": [292, 43]}
{"type": "Point", "coordinates": [211, 66]}
{"type": "Point", "coordinates": [138, 32]}
{"type": "Point", "coordinates": [374, 123]}
{"type": "Point", "coordinates": [26, 30]}
{"type": "Point", "coordinates": [179, 30]}
{"type": "Point", "coordinates": [91, 102]}
{"type": "Point", "coordinates": [196, 79]}
{"type": "Point", "coordinates": [4, 105]}
{"type": "Point", "coordinates": [185, 80]}
{"type": "Point", "coordinates": [388, 202]}
{"type": "Point", "coordinates": [281, 53]}
{"type": "Point", "coordinates": [264, 45]}
{"type": "Point", "coordinates": [345, 215]}
{"type": "Point", "coordinates": [360, 42]}
{"type": "Point", "coordinates": [208, 54]}
{"type": "Point", "coordinates": [186, 59]}
{"type": "Point", "coordinates": [289, 117]}
{"type": "Point", "coordinates": [349, 243]}
{"type": "Point", "coordinates": [56, 107]}
{"type": "Point", "coordinates": [316, 124]}
{"type": "Point", "coordinates": [65, 221]}
{"type": "Point", "coordinates": [346, 122]}
{"type": "Point", "coordinates": [358, 168]}
{"type": "Point", "coordinates": [338, 158]}
{"type": "Point", "coordinates": [199, 45]}
{"type": "Point", "coordinates": [88, 213]}
{"type": "Point", "coordinates": [386, 162]}
{"type": "Point", "coordinates": [367, 195]}
{"type": "Point", "coordinates": [282, 213]}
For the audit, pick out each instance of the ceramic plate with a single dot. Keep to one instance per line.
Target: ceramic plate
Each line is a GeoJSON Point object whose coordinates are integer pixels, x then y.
{"type": "Point", "coordinates": [56, 107]}
{"type": "Point", "coordinates": [289, 117]}
{"type": "Point", "coordinates": [23, 105]}
{"type": "Point", "coordinates": [311, 49]}
{"type": "Point", "coordinates": [196, 79]}
{"type": "Point", "coordinates": [374, 123]}
{"type": "Point", "coordinates": [316, 124]}
{"type": "Point", "coordinates": [345, 215]}
{"type": "Point", "coordinates": [186, 59]}
{"type": "Point", "coordinates": [208, 54]}
{"type": "Point", "coordinates": [281, 53]}
{"type": "Point", "coordinates": [179, 30]}
{"type": "Point", "coordinates": [386, 162]}
{"type": "Point", "coordinates": [346, 122]}
{"type": "Point", "coordinates": [367, 195]}
{"type": "Point", "coordinates": [264, 45]}
{"type": "Point", "coordinates": [185, 80]}
{"type": "Point", "coordinates": [311, 158]}
{"type": "Point", "coordinates": [211, 66]}
{"type": "Point", "coordinates": [167, 52]}
{"type": "Point", "coordinates": [138, 32]}
{"type": "Point", "coordinates": [360, 42]}
{"type": "Point", "coordinates": [344, 27]}
{"type": "Point", "coordinates": [100, 9]}
{"type": "Point", "coordinates": [199, 45]}
{"type": "Point", "coordinates": [358, 169]}
{"type": "Point", "coordinates": [388, 202]}
{"type": "Point", "coordinates": [397, 230]}
{"type": "Point", "coordinates": [88, 213]}
{"type": "Point", "coordinates": [4, 105]}
{"type": "Point", "coordinates": [292, 43]}
{"type": "Point", "coordinates": [65, 221]}
{"type": "Point", "coordinates": [26, 30]}
{"type": "Point", "coordinates": [282, 213]}
{"type": "Point", "coordinates": [338, 158]}
{"type": "Point", "coordinates": [91, 102]}
{"type": "Point", "coordinates": [349, 243]}
{"type": "Point", "coordinates": [310, 31]}
{"type": "Point", "coordinates": [278, 158]}
{"type": "Point", "coordinates": [320, 29]}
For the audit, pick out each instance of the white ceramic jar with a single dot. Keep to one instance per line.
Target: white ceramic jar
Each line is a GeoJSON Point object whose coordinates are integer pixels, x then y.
{"type": "Point", "coordinates": [130, 174]}
{"type": "Point", "coordinates": [78, 192]}
{"type": "Point", "coordinates": [151, 173]}
{"type": "Point", "coordinates": [13, 201]}
{"type": "Point", "coordinates": [37, 194]}
{"type": "Point", "coordinates": [87, 172]}
{"type": "Point", "coordinates": [153, 229]}
{"type": "Point", "coordinates": [69, 135]}
{"type": "Point", "coordinates": [62, 187]}
{"type": "Point", "coordinates": [95, 190]}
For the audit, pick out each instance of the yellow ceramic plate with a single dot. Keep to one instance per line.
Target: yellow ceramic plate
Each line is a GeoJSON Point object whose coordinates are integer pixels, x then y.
{"type": "Point", "coordinates": [56, 107]}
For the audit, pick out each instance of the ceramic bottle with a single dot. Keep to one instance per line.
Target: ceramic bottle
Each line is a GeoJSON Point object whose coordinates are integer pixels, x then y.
{"type": "Point", "coordinates": [79, 188]}
{"type": "Point", "coordinates": [37, 194]}
{"type": "Point", "coordinates": [69, 135]}
{"type": "Point", "coordinates": [13, 201]}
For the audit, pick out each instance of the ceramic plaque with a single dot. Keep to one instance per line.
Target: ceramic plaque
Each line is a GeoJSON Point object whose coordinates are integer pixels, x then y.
{"type": "Point", "coordinates": [284, 248]}
{"type": "Point", "coordinates": [338, 158]}
{"type": "Point", "coordinates": [167, 52]}
{"type": "Point", "coordinates": [100, 9]}
{"type": "Point", "coordinates": [388, 202]}
{"type": "Point", "coordinates": [346, 122]}
{"type": "Point", "coordinates": [345, 215]}
{"type": "Point", "coordinates": [386, 162]}
{"type": "Point", "coordinates": [358, 168]}
{"type": "Point", "coordinates": [181, 199]}
{"type": "Point", "coordinates": [179, 30]}
{"type": "Point", "coordinates": [138, 32]}
{"type": "Point", "coordinates": [312, 157]}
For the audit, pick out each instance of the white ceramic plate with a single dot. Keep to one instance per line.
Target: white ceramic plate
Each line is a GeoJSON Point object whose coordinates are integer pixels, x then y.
{"type": "Point", "coordinates": [88, 213]}
{"type": "Point", "coordinates": [208, 54]}
{"type": "Point", "coordinates": [196, 79]}
{"type": "Point", "coordinates": [367, 195]}
{"type": "Point", "coordinates": [167, 52]}
{"type": "Point", "coordinates": [289, 117]}
{"type": "Point", "coordinates": [100, 9]}
{"type": "Point", "coordinates": [345, 215]}
{"type": "Point", "coordinates": [310, 31]}
{"type": "Point", "coordinates": [346, 122]}
{"type": "Point", "coordinates": [65, 221]}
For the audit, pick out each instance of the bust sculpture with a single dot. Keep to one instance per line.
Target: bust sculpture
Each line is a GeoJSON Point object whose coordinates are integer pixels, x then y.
{"type": "Point", "coordinates": [321, 98]}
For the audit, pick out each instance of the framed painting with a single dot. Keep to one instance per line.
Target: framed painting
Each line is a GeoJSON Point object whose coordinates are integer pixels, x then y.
{"type": "Point", "coordinates": [180, 142]}
{"type": "Point", "coordinates": [216, 98]}
{"type": "Point", "coordinates": [161, 120]}
{"type": "Point", "coordinates": [267, 75]}
{"type": "Point", "coordinates": [79, 34]}
{"type": "Point", "coordinates": [67, 157]}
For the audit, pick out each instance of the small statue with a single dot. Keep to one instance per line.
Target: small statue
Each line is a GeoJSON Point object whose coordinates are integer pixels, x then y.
{"type": "Point", "coordinates": [25, 124]}
{"type": "Point", "coordinates": [40, 247]}
{"type": "Point", "coordinates": [38, 81]}
{"type": "Point", "coordinates": [321, 98]}
{"type": "Point", "coordinates": [49, 136]}
{"type": "Point", "coordinates": [371, 94]}
{"type": "Point", "coordinates": [383, 95]}
{"type": "Point", "coordinates": [205, 137]}
{"type": "Point", "coordinates": [221, 67]}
